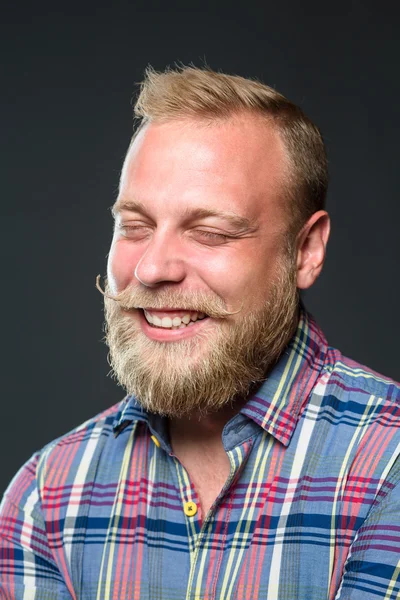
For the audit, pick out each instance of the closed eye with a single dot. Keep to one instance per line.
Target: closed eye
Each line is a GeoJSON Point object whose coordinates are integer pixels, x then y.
{"type": "Point", "coordinates": [210, 237]}
{"type": "Point", "coordinates": [134, 232]}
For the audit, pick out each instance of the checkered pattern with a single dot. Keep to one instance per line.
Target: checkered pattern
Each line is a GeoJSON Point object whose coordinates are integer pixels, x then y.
{"type": "Point", "coordinates": [311, 509]}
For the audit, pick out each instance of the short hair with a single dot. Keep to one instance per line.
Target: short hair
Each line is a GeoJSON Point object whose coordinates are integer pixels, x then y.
{"type": "Point", "coordinates": [203, 94]}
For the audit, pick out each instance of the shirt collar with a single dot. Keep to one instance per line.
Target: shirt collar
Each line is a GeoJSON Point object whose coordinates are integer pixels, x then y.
{"type": "Point", "coordinates": [129, 410]}
{"type": "Point", "coordinates": [277, 404]}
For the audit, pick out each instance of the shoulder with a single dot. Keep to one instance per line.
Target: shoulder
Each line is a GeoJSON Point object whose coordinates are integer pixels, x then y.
{"type": "Point", "coordinates": [56, 467]}
{"type": "Point", "coordinates": [73, 445]}
{"type": "Point", "coordinates": [359, 394]}
{"type": "Point", "coordinates": [354, 378]}
{"type": "Point", "coordinates": [66, 452]}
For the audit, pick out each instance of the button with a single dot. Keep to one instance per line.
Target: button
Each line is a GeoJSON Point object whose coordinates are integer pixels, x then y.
{"type": "Point", "coordinates": [155, 440]}
{"type": "Point", "coordinates": [190, 509]}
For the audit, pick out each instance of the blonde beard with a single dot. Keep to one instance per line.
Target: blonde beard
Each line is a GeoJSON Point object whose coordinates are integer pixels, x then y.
{"type": "Point", "coordinates": [210, 370]}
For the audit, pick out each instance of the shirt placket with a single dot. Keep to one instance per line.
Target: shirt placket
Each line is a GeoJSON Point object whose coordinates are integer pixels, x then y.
{"type": "Point", "coordinates": [206, 536]}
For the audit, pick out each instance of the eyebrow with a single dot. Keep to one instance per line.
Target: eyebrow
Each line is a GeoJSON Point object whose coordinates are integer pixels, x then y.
{"type": "Point", "coordinates": [234, 219]}
{"type": "Point", "coordinates": [237, 221]}
{"type": "Point", "coordinates": [130, 205]}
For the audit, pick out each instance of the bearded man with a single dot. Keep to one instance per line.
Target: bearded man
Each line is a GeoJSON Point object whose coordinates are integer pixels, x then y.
{"type": "Point", "coordinates": [248, 460]}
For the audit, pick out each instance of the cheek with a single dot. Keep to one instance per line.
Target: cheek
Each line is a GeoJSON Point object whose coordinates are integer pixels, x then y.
{"type": "Point", "coordinates": [235, 278]}
{"type": "Point", "coordinates": [121, 266]}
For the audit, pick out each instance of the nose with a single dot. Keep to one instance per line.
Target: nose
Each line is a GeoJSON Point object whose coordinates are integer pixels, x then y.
{"type": "Point", "coordinates": [161, 262]}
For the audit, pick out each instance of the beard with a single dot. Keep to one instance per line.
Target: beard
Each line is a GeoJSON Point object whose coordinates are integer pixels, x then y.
{"type": "Point", "coordinates": [217, 366]}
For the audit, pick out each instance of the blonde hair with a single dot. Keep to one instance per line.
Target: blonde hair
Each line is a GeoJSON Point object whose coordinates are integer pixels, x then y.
{"type": "Point", "coordinates": [203, 94]}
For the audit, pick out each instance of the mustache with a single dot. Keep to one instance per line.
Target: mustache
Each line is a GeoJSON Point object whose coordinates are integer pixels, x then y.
{"type": "Point", "coordinates": [135, 297]}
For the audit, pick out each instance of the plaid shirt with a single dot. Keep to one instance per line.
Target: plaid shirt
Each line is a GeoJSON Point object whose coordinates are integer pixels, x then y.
{"type": "Point", "coordinates": [310, 511]}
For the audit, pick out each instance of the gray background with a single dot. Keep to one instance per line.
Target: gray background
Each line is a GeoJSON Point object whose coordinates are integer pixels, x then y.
{"type": "Point", "coordinates": [68, 75]}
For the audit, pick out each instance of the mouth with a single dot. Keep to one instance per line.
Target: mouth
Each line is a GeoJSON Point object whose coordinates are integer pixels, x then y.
{"type": "Point", "coordinates": [172, 318]}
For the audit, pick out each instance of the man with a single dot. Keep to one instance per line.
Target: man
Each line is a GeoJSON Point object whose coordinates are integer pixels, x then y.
{"type": "Point", "coordinates": [248, 460]}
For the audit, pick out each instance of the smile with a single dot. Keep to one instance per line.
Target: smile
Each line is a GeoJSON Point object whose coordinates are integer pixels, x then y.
{"type": "Point", "coordinates": [172, 319]}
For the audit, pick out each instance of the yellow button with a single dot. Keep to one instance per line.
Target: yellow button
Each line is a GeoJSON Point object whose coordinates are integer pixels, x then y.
{"type": "Point", "coordinates": [155, 440]}
{"type": "Point", "coordinates": [190, 509]}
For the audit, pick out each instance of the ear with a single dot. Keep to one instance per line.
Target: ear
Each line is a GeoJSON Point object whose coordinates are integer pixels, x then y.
{"type": "Point", "coordinates": [311, 248]}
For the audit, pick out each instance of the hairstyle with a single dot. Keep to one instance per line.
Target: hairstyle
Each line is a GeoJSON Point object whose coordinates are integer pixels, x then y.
{"type": "Point", "coordinates": [203, 94]}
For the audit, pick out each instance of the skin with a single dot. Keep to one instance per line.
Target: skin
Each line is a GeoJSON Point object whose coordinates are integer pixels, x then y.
{"type": "Point", "coordinates": [201, 207]}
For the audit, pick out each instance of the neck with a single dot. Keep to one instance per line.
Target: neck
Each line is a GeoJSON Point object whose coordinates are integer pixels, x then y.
{"type": "Point", "coordinates": [200, 428]}
{"type": "Point", "coordinates": [197, 443]}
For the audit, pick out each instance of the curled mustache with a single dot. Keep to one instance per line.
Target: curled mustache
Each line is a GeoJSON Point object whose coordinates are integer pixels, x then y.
{"type": "Point", "coordinates": [134, 297]}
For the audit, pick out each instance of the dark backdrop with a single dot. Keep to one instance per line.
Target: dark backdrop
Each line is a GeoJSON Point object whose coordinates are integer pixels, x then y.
{"type": "Point", "coordinates": [68, 75]}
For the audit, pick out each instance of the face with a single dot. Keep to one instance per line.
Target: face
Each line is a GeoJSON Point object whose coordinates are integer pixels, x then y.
{"type": "Point", "coordinates": [206, 292]}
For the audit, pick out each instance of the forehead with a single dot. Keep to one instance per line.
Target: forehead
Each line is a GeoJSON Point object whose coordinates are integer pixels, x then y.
{"type": "Point", "coordinates": [236, 164]}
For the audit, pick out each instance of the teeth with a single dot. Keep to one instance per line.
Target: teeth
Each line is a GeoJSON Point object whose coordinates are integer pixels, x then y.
{"type": "Point", "coordinates": [176, 322]}
{"type": "Point", "coordinates": [157, 321]}
{"type": "Point", "coordinates": [149, 317]}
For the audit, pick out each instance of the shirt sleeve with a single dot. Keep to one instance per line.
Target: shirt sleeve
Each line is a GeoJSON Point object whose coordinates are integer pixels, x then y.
{"type": "Point", "coordinates": [27, 567]}
{"type": "Point", "coordinates": [372, 569]}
